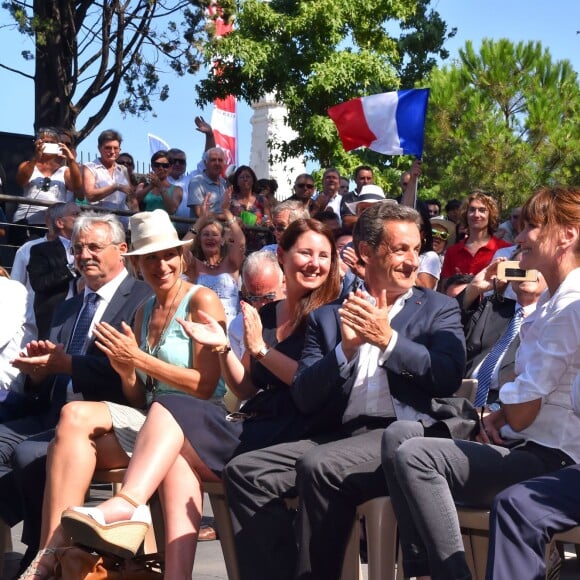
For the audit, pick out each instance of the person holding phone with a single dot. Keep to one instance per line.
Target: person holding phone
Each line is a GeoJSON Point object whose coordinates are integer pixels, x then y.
{"type": "Point", "coordinates": [51, 174]}
{"type": "Point", "coordinates": [426, 476]}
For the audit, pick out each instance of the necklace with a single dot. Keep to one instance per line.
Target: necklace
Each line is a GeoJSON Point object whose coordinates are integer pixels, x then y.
{"type": "Point", "coordinates": [212, 266]}
{"type": "Point", "coordinates": [151, 383]}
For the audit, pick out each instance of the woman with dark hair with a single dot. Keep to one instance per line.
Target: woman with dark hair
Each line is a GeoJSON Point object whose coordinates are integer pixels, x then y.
{"type": "Point", "coordinates": [198, 433]}
{"type": "Point", "coordinates": [536, 429]}
{"type": "Point", "coordinates": [128, 162]}
{"type": "Point", "coordinates": [157, 192]}
{"type": "Point", "coordinates": [429, 263]}
{"type": "Point", "coordinates": [244, 196]}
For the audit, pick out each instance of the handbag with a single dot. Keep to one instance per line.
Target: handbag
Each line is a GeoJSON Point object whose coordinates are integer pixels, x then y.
{"type": "Point", "coordinates": [77, 564]}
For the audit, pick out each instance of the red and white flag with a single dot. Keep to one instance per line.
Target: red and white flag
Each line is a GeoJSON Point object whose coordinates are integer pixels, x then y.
{"type": "Point", "coordinates": [224, 118]}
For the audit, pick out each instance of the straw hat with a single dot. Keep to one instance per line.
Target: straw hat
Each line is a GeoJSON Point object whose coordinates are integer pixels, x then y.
{"type": "Point", "coordinates": [152, 231]}
{"type": "Point", "coordinates": [368, 194]}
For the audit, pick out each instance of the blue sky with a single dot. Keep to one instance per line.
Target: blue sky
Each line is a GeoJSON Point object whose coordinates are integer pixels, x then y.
{"type": "Point", "coordinates": [553, 23]}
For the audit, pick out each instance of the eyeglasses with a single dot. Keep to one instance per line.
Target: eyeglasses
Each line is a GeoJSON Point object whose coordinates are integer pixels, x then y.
{"type": "Point", "coordinates": [45, 184]}
{"type": "Point", "coordinates": [93, 248]}
{"type": "Point", "coordinates": [441, 235]}
{"type": "Point", "coordinates": [177, 161]}
{"type": "Point", "coordinates": [269, 297]}
{"type": "Point", "coordinates": [306, 185]}
{"type": "Point", "coordinates": [125, 162]}
{"type": "Point", "coordinates": [161, 165]}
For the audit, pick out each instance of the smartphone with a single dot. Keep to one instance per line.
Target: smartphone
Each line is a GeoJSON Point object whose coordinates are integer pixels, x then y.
{"type": "Point", "coordinates": [51, 148]}
{"type": "Point", "coordinates": [511, 270]}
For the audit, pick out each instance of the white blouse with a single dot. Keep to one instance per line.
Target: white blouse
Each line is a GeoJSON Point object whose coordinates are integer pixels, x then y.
{"type": "Point", "coordinates": [547, 364]}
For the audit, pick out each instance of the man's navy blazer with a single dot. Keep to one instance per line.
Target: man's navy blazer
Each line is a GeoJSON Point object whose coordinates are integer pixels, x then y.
{"type": "Point", "coordinates": [92, 374]}
{"type": "Point", "coordinates": [50, 278]}
{"type": "Point", "coordinates": [428, 359]}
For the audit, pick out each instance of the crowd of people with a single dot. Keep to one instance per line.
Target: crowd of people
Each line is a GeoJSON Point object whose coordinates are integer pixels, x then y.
{"type": "Point", "coordinates": [315, 356]}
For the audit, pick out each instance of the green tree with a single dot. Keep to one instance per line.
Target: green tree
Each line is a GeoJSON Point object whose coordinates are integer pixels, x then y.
{"type": "Point", "coordinates": [312, 55]}
{"type": "Point", "coordinates": [504, 120]}
{"type": "Point", "coordinates": [88, 54]}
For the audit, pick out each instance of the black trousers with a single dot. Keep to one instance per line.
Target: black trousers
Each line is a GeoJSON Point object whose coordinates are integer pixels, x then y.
{"type": "Point", "coordinates": [330, 475]}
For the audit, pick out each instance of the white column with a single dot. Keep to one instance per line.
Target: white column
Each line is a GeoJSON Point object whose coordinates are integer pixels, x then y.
{"type": "Point", "coordinates": [269, 128]}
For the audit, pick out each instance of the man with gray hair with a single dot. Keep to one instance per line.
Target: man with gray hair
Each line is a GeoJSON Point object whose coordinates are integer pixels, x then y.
{"type": "Point", "coordinates": [282, 216]}
{"type": "Point", "coordinates": [69, 365]}
{"type": "Point", "coordinates": [262, 282]}
{"type": "Point", "coordinates": [210, 182]}
{"type": "Point", "coordinates": [381, 355]}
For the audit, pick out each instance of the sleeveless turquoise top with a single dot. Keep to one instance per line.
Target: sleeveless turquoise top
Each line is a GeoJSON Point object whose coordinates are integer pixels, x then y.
{"type": "Point", "coordinates": [174, 347]}
{"type": "Point", "coordinates": [152, 201]}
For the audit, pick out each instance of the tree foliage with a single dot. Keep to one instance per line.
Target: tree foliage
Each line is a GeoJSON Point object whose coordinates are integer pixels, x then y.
{"type": "Point", "coordinates": [505, 120]}
{"type": "Point", "coordinates": [312, 55]}
{"type": "Point", "coordinates": [88, 54]}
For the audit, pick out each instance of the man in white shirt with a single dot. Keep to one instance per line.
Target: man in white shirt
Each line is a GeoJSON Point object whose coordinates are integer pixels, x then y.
{"type": "Point", "coordinates": [382, 355]}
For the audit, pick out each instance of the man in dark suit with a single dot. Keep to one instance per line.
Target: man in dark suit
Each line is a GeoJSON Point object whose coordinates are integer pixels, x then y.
{"type": "Point", "coordinates": [69, 365]}
{"type": "Point", "coordinates": [51, 268]}
{"type": "Point", "coordinates": [385, 353]}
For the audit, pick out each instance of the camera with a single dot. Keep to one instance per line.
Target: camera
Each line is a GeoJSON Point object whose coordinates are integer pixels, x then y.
{"type": "Point", "coordinates": [51, 149]}
{"type": "Point", "coordinates": [511, 271]}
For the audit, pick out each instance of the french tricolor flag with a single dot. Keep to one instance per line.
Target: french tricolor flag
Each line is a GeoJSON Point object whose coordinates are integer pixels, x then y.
{"type": "Point", "coordinates": [390, 123]}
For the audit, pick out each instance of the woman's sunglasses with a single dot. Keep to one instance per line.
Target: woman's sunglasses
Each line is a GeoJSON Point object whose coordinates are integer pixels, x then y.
{"type": "Point", "coordinates": [161, 165]}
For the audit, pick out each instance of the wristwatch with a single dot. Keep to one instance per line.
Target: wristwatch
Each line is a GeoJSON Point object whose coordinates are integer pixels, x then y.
{"type": "Point", "coordinates": [262, 352]}
{"type": "Point", "coordinates": [193, 230]}
{"type": "Point", "coordinates": [223, 349]}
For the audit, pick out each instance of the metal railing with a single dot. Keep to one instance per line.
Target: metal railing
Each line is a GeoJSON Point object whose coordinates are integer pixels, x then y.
{"type": "Point", "coordinates": [7, 250]}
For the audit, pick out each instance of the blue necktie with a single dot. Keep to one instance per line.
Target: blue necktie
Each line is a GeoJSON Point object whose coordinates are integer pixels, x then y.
{"type": "Point", "coordinates": [490, 361]}
{"type": "Point", "coordinates": [81, 330]}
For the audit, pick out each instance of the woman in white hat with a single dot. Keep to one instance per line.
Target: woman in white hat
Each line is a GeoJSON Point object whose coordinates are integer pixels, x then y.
{"type": "Point", "coordinates": [156, 357]}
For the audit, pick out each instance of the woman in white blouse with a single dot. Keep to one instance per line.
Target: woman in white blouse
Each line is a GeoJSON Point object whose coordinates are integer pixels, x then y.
{"type": "Point", "coordinates": [535, 431]}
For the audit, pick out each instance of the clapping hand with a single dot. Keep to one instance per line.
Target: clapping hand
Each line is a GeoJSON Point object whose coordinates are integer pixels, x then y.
{"type": "Point", "coordinates": [368, 322]}
{"type": "Point", "coordinates": [253, 340]}
{"type": "Point", "coordinates": [208, 332]}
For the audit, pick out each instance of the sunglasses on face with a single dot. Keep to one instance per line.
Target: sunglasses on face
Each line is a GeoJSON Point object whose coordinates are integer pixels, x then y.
{"type": "Point", "coordinates": [306, 185]}
{"type": "Point", "coordinates": [177, 161]}
{"type": "Point", "coordinates": [125, 162]}
{"type": "Point", "coordinates": [440, 235]}
{"type": "Point", "coordinates": [280, 228]}
{"type": "Point", "coordinates": [161, 165]}
{"type": "Point", "coordinates": [263, 298]}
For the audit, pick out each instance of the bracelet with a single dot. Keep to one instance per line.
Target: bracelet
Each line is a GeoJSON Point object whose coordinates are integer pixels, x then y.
{"type": "Point", "coordinates": [230, 222]}
{"type": "Point", "coordinates": [193, 231]}
{"type": "Point", "coordinates": [223, 349]}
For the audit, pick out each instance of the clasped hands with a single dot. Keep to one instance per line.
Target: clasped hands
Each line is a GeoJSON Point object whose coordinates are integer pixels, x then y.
{"type": "Point", "coordinates": [42, 358]}
{"type": "Point", "coordinates": [363, 322]}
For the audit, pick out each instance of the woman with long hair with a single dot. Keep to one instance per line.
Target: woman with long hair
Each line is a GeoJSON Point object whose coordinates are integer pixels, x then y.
{"type": "Point", "coordinates": [198, 434]}
{"type": "Point", "coordinates": [534, 432]}
{"type": "Point", "coordinates": [154, 358]}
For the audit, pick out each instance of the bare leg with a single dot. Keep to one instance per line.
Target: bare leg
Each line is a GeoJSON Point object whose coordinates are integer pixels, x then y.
{"type": "Point", "coordinates": [163, 457]}
{"type": "Point", "coordinates": [83, 438]}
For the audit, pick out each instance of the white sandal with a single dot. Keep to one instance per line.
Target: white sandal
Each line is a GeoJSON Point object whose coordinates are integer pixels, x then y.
{"type": "Point", "coordinates": [87, 527]}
